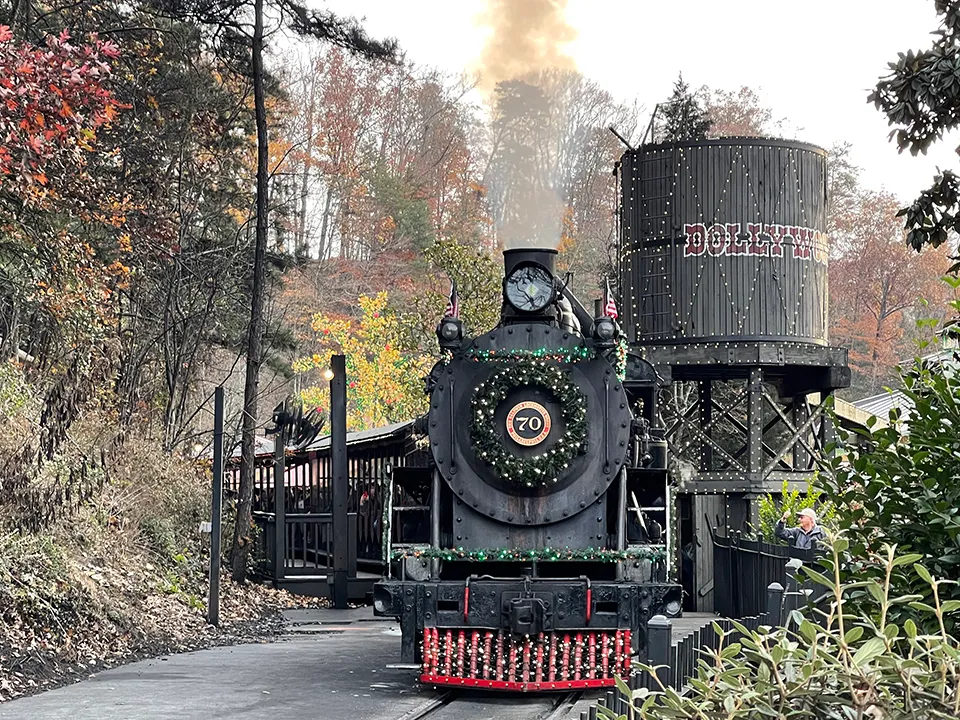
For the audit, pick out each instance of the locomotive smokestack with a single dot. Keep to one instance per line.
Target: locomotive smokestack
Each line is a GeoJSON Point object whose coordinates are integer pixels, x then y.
{"type": "Point", "coordinates": [520, 256]}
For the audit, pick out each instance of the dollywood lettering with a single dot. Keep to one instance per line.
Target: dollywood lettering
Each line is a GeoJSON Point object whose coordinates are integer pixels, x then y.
{"type": "Point", "coordinates": [754, 240]}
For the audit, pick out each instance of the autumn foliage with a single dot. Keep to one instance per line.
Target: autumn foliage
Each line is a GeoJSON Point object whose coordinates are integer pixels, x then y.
{"type": "Point", "coordinates": [384, 382]}
{"type": "Point", "coordinates": [52, 100]}
{"type": "Point", "coordinates": [879, 288]}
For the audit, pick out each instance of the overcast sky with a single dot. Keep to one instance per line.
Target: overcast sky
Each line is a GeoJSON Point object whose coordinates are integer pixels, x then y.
{"type": "Point", "coordinates": [812, 62]}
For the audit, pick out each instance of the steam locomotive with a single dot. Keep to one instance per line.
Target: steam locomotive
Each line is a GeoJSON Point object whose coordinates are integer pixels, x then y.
{"type": "Point", "coordinates": [549, 510]}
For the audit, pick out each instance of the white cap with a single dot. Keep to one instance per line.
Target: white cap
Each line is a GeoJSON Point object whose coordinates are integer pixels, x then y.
{"type": "Point", "coordinates": [808, 512]}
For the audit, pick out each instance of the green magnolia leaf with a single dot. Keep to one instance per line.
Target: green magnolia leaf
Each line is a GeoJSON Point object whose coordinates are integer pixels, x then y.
{"type": "Point", "coordinates": [852, 635]}
{"type": "Point", "coordinates": [875, 590]}
{"type": "Point", "coordinates": [950, 606]}
{"type": "Point", "coordinates": [923, 573]}
{"type": "Point", "coordinates": [622, 686]}
{"type": "Point", "coordinates": [868, 651]}
{"type": "Point", "coordinates": [923, 606]}
{"type": "Point", "coordinates": [730, 651]}
{"type": "Point", "coordinates": [910, 628]}
{"type": "Point", "coordinates": [906, 559]}
{"type": "Point", "coordinates": [808, 630]}
{"type": "Point", "coordinates": [905, 599]}
{"type": "Point", "coordinates": [606, 713]}
{"type": "Point", "coordinates": [891, 632]}
{"type": "Point", "coordinates": [817, 577]}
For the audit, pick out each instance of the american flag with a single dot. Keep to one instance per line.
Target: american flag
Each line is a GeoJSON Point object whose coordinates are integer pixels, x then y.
{"type": "Point", "coordinates": [453, 303]}
{"type": "Point", "coordinates": [609, 305]}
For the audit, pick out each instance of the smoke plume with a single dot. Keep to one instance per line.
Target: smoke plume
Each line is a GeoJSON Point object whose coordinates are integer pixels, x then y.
{"type": "Point", "coordinates": [518, 70]}
{"type": "Point", "coordinates": [528, 36]}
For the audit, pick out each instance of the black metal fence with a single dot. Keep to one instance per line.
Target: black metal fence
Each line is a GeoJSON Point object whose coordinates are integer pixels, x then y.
{"type": "Point", "coordinates": [758, 583]}
{"type": "Point", "coordinates": [744, 569]}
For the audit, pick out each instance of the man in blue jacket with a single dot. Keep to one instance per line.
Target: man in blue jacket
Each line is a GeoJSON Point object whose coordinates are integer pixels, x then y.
{"type": "Point", "coordinates": [804, 537]}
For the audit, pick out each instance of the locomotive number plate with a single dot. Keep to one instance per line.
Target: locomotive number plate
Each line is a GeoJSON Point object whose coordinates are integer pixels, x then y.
{"type": "Point", "coordinates": [528, 423]}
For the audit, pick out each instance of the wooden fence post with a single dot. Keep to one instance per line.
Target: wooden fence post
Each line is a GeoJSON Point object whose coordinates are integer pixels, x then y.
{"type": "Point", "coordinates": [341, 481]}
{"type": "Point", "coordinates": [775, 604]}
{"type": "Point", "coordinates": [796, 596]}
{"type": "Point", "coordinates": [659, 634]}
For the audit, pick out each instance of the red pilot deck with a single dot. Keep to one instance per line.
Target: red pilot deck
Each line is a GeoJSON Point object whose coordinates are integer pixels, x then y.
{"type": "Point", "coordinates": [491, 660]}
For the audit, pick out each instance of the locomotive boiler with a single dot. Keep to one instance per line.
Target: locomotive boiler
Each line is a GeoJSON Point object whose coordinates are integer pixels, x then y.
{"type": "Point", "coordinates": [545, 544]}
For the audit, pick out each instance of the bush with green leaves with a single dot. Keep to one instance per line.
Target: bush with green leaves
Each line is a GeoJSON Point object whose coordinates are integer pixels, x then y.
{"type": "Point", "coordinates": [834, 664]}
{"type": "Point", "coordinates": [771, 508]}
{"type": "Point", "coordinates": [902, 487]}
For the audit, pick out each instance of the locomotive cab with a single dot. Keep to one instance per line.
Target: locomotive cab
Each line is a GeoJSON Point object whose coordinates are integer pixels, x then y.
{"type": "Point", "coordinates": [549, 544]}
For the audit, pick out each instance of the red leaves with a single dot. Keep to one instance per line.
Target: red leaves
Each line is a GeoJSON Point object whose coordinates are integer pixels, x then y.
{"type": "Point", "coordinates": [52, 99]}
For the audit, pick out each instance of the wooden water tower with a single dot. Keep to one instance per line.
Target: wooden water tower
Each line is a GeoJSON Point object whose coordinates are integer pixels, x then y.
{"type": "Point", "coordinates": [723, 284]}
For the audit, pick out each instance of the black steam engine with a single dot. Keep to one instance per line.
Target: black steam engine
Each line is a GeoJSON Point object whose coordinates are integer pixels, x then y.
{"type": "Point", "coordinates": [545, 545]}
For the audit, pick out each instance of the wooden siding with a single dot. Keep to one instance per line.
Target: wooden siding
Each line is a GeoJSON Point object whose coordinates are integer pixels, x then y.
{"type": "Point", "coordinates": [670, 298]}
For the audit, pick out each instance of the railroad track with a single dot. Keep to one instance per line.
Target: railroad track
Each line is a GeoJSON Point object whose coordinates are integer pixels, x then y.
{"type": "Point", "coordinates": [454, 705]}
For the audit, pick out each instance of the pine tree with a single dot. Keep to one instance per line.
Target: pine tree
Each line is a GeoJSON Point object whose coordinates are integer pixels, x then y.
{"type": "Point", "coordinates": [684, 118]}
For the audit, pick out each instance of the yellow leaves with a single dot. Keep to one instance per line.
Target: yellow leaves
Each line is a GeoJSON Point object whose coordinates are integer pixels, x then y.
{"type": "Point", "coordinates": [125, 243]}
{"type": "Point", "coordinates": [117, 269]}
{"type": "Point", "coordinates": [384, 383]}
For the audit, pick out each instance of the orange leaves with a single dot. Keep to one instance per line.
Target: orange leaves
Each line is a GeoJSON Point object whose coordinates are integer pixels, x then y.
{"type": "Point", "coordinates": [51, 98]}
{"type": "Point", "coordinates": [877, 287]}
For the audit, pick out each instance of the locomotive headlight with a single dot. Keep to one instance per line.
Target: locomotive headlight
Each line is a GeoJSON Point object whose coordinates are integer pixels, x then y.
{"type": "Point", "coordinates": [450, 333]}
{"type": "Point", "coordinates": [605, 331]}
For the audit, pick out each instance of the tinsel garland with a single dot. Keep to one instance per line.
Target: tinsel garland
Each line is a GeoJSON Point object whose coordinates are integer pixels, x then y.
{"type": "Point", "coordinates": [539, 470]}
{"type": "Point", "coordinates": [562, 355]}
{"type": "Point", "coordinates": [539, 554]}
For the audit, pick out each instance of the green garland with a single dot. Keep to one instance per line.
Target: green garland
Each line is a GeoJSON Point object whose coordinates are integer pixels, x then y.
{"type": "Point", "coordinates": [539, 470]}
{"type": "Point", "coordinates": [539, 554]}
{"type": "Point", "coordinates": [621, 363]}
{"type": "Point", "coordinates": [562, 355]}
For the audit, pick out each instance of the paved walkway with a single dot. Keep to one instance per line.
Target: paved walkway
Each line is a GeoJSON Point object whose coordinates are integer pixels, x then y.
{"type": "Point", "coordinates": [332, 665]}
{"type": "Point", "coordinates": [330, 669]}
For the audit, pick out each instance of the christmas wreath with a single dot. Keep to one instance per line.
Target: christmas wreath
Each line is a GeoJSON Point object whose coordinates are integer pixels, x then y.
{"type": "Point", "coordinates": [540, 470]}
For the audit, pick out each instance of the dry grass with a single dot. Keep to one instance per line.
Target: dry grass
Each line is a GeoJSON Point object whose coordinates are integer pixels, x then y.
{"type": "Point", "coordinates": [124, 577]}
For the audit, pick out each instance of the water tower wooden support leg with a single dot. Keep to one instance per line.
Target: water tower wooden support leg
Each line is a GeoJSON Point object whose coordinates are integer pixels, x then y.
{"type": "Point", "coordinates": [827, 431]}
{"type": "Point", "coordinates": [755, 425]}
{"type": "Point", "coordinates": [705, 403]}
{"type": "Point", "coordinates": [802, 459]}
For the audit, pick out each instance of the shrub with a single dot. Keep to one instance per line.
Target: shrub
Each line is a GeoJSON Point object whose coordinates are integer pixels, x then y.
{"type": "Point", "coordinates": [771, 509]}
{"type": "Point", "coordinates": [835, 665]}
{"type": "Point", "coordinates": [902, 489]}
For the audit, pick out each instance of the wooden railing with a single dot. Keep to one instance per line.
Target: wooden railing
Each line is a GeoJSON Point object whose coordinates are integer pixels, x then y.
{"type": "Point", "coordinates": [308, 544]}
